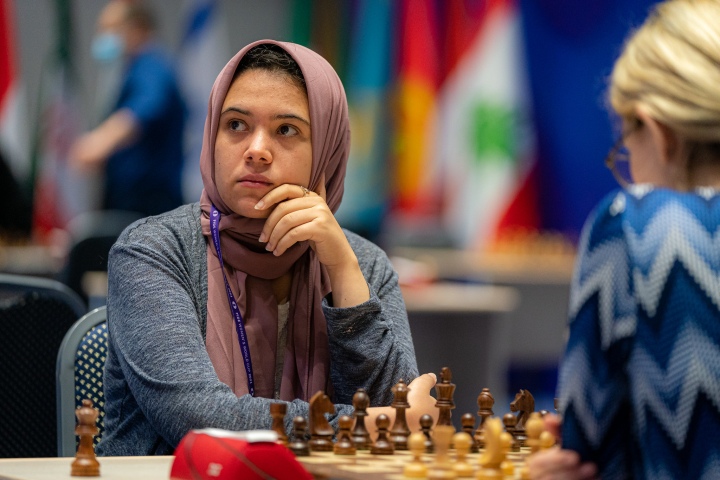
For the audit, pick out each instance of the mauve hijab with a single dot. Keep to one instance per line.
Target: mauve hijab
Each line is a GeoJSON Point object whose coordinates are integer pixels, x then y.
{"type": "Point", "coordinates": [250, 270]}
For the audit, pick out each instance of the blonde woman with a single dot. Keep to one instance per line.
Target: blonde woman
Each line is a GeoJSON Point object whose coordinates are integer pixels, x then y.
{"type": "Point", "coordinates": [639, 380]}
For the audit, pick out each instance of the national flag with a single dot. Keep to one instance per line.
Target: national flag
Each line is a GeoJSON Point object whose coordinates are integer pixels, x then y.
{"type": "Point", "coordinates": [59, 193]}
{"type": "Point", "coordinates": [366, 84]}
{"type": "Point", "coordinates": [417, 184]}
{"type": "Point", "coordinates": [486, 144]}
{"type": "Point", "coordinates": [13, 128]}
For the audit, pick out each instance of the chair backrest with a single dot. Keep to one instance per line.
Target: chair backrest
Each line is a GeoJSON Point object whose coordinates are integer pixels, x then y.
{"type": "Point", "coordinates": [80, 365]}
{"type": "Point", "coordinates": [35, 314]}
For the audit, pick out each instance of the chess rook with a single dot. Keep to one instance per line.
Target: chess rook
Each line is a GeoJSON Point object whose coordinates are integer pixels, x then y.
{"type": "Point", "coordinates": [277, 412]}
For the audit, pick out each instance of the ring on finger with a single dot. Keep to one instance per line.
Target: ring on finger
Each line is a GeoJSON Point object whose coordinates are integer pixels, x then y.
{"type": "Point", "coordinates": [305, 191]}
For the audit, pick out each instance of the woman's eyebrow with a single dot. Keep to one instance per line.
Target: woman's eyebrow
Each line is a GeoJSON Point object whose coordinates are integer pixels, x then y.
{"type": "Point", "coordinates": [285, 116]}
{"type": "Point", "coordinates": [235, 109]}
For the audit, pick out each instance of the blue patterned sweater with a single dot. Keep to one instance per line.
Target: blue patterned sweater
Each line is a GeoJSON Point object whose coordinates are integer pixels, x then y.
{"type": "Point", "coordinates": [639, 383]}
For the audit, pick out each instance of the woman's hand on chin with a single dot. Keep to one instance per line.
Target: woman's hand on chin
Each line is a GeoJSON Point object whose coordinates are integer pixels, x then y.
{"type": "Point", "coordinates": [302, 215]}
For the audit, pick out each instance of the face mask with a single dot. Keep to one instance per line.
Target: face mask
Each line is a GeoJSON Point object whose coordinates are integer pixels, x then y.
{"type": "Point", "coordinates": [107, 47]}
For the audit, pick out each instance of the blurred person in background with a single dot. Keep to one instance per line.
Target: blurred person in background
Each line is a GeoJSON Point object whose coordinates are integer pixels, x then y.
{"type": "Point", "coordinates": [140, 143]}
{"type": "Point", "coordinates": [638, 384]}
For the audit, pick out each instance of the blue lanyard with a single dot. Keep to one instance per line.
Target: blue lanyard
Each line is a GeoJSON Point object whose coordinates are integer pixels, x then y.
{"type": "Point", "coordinates": [239, 326]}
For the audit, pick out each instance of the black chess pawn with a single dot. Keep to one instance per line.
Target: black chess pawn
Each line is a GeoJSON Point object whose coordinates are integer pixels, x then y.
{"type": "Point", "coordinates": [426, 423]}
{"type": "Point", "coordinates": [445, 390]}
{"type": "Point", "coordinates": [360, 434]}
{"type": "Point", "coordinates": [509, 420]}
{"type": "Point", "coordinates": [400, 432]}
{"type": "Point", "coordinates": [382, 445]}
{"type": "Point", "coordinates": [468, 425]}
{"type": "Point", "coordinates": [344, 444]}
{"type": "Point", "coordinates": [299, 445]}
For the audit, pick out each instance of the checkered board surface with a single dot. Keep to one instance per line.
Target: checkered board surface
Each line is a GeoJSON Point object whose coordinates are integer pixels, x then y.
{"type": "Point", "coordinates": [364, 466]}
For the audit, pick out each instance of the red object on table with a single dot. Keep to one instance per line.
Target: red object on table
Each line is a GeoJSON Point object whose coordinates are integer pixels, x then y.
{"type": "Point", "coordinates": [214, 454]}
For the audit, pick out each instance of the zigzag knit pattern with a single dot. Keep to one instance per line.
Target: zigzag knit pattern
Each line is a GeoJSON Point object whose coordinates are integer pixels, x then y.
{"type": "Point", "coordinates": [639, 384]}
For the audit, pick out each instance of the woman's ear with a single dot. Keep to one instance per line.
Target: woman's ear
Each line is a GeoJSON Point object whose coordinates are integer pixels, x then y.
{"type": "Point", "coordinates": [665, 140]}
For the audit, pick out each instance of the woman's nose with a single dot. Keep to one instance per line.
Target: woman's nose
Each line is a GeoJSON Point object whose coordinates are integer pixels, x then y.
{"type": "Point", "coordinates": [259, 147]}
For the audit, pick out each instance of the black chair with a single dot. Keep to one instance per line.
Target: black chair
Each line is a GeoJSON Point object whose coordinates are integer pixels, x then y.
{"type": "Point", "coordinates": [35, 314]}
{"type": "Point", "coordinates": [92, 235]}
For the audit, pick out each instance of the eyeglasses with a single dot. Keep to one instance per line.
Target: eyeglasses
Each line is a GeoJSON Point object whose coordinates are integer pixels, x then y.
{"type": "Point", "coordinates": [618, 160]}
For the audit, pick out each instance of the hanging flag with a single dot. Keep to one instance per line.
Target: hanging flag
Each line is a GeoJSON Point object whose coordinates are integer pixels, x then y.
{"type": "Point", "coordinates": [204, 51]}
{"type": "Point", "coordinates": [366, 82]}
{"type": "Point", "coordinates": [59, 192]}
{"type": "Point", "coordinates": [486, 144]}
{"type": "Point", "coordinates": [13, 127]}
{"type": "Point", "coordinates": [417, 183]}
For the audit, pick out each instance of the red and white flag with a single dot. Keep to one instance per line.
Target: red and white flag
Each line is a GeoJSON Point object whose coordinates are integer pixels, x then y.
{"type": "Point", "coordinates": [486, 143]}
{"type": "Point", "coordinates": [13, 127]}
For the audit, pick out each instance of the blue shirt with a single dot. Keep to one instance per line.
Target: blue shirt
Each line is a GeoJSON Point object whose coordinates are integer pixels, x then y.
{"type": "Point", "coordinates": [639, 384]}
{"type": "Point", "coordinates": [146, 177]}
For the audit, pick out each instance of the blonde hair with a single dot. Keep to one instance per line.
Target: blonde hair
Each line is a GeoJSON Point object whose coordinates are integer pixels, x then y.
{"type": "Point", "coordinates": [670, 67]}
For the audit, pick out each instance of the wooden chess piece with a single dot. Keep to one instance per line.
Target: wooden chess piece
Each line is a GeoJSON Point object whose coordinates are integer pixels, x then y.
{"type": "Point", "coordinates": [538, 437]}
{"type": "Point", "coordinates": [468, 425]}
{"type": "Point", "coordinates": [344, 444]}
{"type": "Point", "coordinates": [507, 466]}
{"type": "Point", "coordinates": [321, 432]}
{"type": "Point", "coordinates": [277, 412]}
{"type": "Point", "coordinates": [382, 445]}
{"type": "Point", "coordinates": [299, 445]}
{"type": "Point", "coordinates": [445, 390]}
{"type": "Point", "coordinates": [426, 423]}
{"type": "Point", "coordinates": [485, 403]}
{"type": "Point", "coordinates": [533, 428]}
{"type": "Point", "coordinates": [493, 455]}
{"type": "Point", "coordinates": [360, 434]}
{"type": "Point", "coordinates": [463, 441]}
{"type": "Point", "coordinates": [85, 463]}
{"type": "Point", "coordinates": [400, 432]}
{"type": "Point", "coordinates": [416, 468]}
{"type": "Point", "coordinates": [524, 404]}
{"type": "Point", "coordinates": [509, 420]}
{"type": "Point", "coordinates": [442, 468]}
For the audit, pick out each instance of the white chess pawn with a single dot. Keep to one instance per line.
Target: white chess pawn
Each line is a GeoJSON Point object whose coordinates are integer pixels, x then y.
{"type": "Point", "coordinates": [442, 468]}
{"type": "Point", "coordinates": [416, 468]}
{"type": "Point", "coordinates": [462, 442]}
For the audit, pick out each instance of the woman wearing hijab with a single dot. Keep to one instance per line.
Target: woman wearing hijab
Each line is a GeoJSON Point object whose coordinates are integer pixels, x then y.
{"type": "Point", "coordinates": [255, 294]}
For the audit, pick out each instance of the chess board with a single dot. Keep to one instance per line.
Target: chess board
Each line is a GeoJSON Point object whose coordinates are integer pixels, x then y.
{"type": "Point", "coordinates": [365, 466]}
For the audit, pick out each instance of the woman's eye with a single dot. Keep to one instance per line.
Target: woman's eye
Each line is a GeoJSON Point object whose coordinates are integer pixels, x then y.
{"type": "Point", "coordinates": [287, 130]}
{"type": "Point", "coordinates": [236, 125]}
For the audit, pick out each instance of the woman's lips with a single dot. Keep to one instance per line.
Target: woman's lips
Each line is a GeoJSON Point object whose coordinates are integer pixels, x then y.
{"type": "Point", "coordinates": [255, 181]}
{"type": "Point", "coordinates": [254, 184]}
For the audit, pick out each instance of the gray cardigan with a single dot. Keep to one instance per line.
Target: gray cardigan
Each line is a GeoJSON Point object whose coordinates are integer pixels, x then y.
{"type": "Point", "coordinates": [159, 381]}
